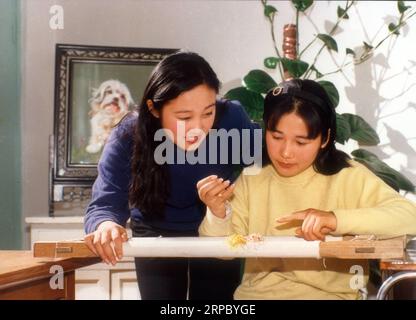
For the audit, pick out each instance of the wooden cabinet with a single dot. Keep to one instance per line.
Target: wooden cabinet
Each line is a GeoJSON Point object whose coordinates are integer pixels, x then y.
{"type": "Point", "coordinates": [92, 285]}
{"type": "Point", "coordinates": [124, 285]}
{"type": "Point", "coordinates": [95, 282]}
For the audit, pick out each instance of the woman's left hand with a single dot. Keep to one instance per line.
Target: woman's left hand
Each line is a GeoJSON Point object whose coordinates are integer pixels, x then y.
{"type": "Point", "coordinates": [316, 223]}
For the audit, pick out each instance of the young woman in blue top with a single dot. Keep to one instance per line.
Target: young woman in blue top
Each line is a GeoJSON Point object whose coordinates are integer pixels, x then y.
{"type": "Point", "coordinates": [161, 198]}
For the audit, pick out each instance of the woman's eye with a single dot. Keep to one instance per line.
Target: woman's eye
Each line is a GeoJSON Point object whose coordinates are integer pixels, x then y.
{"type": "Point", "coordinates": [184, 119]}
{"type": "Point", "coordinates": [208, 114]}
{"type": "Point", "coordinates": [301, 143]}
{"type": "Point", "coordinates": [277, 138]}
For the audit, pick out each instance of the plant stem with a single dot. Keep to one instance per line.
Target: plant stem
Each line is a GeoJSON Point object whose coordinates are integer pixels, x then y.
{"type": "Point", "coordinates": [338, 70]}
{"type": "Point", "coordinates": [275, 47]}
{"type": "Point", "coordinates": [297, 33]}
{"type": "Point", "coordinates": [347, 7]}
{"type": "Point", "coordinates": [399, 25]}
{"type": "Point", "coordinates": [309, 44]}
{"type": "Point", "coordinates": [366, 55]}
{"type": "Point", "coordinates": [271, 20]}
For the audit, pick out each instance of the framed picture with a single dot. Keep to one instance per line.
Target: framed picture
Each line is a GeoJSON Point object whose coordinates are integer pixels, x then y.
{"type": "Point", "coordinates": [95, 87]}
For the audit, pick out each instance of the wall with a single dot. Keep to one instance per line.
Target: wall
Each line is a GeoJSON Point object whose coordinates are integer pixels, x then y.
{"type": "Point", "coordinates": [10, 158]}
{"type": "Point", "coordinates": [234, 37]}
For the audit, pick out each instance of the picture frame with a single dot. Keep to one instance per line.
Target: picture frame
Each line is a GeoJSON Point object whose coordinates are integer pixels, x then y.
{"type": "Point", "coordinates": [81, 71]}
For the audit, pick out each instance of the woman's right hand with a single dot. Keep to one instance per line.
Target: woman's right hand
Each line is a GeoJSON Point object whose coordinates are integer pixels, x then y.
{"type": "Point", "coordinates": [107, 241]}
{"type": "Point", "coordinates": [214, 192]}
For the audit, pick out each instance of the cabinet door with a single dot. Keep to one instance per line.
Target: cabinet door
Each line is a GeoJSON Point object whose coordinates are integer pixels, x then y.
{"type": "Point", "coordinates": [124, 285]}
{"type": "Point", "coordinates": [92, 285]}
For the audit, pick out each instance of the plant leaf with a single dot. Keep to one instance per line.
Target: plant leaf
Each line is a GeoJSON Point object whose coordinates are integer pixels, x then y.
{"type": "Point", "coordinates": [251, 101]}
{"type": "Point", "coordinates": [341, 13]}
{"type": "Point", "coordinates": [367, 47]}
{"type": "Point", "coordinates": [329, 41]}
{"type": "Point", "coordinates": [350, 51]}
{"type": "Point", "coordinates": [364, 154]}
{"type": "Point", "coordinates": [317, 73]}
{"type": "Point", "coordinates": [302, 5]}
{"type": "Point", "coordinates": [361, 131]}
{"type": "Point", "coordinates": [332, 92]}
{"type": "Point", "coordinates": [295, 67]}
{"type": "Point", "coordinates": [401, 6]}
{"type": "Point", "coordinates": [269, 11]}
{"type": "Point", "coordinates": [392, 28]}
{"type": "Point", "coordinates": [271, 62]}
{"type": "Point", "coordinates": [259, 81]}
{"type": "Point", "coordinates": [393, 178]}
{"type": "Point", "coordinates": [343, 129]}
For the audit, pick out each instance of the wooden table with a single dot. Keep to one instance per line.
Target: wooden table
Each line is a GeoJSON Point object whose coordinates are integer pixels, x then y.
{"type": "Point", "coordinates": [24, 277]}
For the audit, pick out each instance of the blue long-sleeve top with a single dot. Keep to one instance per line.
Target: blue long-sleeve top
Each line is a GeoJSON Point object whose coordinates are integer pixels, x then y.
{"type": "Point", "coordinates": [183, 210]}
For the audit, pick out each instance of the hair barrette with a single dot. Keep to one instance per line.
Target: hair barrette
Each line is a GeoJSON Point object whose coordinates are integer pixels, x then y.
{"type": "Point", "coordinates": [276, 91]}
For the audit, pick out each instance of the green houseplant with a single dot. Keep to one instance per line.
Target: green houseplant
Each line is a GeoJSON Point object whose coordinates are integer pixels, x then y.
{"type": "Point", "coordinates": [349, 126]}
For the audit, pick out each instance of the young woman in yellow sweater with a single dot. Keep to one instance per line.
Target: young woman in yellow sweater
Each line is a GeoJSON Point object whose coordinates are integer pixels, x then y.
{"type": "Point", "coordinates": [306, 188]}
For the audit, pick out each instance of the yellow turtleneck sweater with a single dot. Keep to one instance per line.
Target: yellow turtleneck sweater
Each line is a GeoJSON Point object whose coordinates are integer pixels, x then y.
{"type": "Point", "coordinates": [362, 203]}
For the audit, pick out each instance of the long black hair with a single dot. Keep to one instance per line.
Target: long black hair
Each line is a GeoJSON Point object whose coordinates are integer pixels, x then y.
{"type": "Point", "coordinates": [175, 74]}
{"type": "Point", "coordinates": [309, 100]}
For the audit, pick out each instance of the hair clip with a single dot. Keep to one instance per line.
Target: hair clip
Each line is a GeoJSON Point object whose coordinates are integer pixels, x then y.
{"type": "Point", "coordinates": [276, 91]}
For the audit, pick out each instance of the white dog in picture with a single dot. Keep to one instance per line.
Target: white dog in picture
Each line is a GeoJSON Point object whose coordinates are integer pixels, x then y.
{"type": "Point", "coordinates": [109, 104]}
